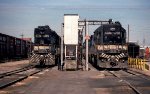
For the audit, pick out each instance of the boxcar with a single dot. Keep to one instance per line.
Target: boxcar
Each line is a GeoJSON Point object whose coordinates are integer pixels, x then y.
{"type": "Point", "coordinates": [12, 47]}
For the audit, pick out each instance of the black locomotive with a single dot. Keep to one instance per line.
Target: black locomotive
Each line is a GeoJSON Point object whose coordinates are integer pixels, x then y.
{"type": "Point", "coordinates": [108, 47]}
{"type": "Point", "coordinates": [46, 46]}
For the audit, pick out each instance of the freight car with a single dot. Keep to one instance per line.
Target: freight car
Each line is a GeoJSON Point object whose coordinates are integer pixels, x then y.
{"type": "Point", "coordinates": [13, 48]}
{"type": "Point", "coordinates": [108, 47]}
{"type": "Point", "coordinates": [133, 50]}
{"type": "Point", "coordinates": [46, 46]}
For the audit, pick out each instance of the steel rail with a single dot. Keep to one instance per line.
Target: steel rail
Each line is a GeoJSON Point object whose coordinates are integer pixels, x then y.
{"type": "Point", "coordinates": [131, 86]}
{"type": "Point", "coordinates": [2, 75]}
{"type": "Point", "coordinates": [134, 73]}
{"type": "Point", "coordinates": [22, 77]}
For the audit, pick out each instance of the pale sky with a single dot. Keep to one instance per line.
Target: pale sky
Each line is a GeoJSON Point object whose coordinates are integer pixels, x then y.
{"type": "Point", "coordinates": [22, 16]}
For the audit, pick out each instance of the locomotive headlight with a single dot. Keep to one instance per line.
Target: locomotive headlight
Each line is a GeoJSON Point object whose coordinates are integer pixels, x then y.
{"type": "Point", "coordinates": [112, 57]}
{"type": "Point", "coordinates": [41, 55]}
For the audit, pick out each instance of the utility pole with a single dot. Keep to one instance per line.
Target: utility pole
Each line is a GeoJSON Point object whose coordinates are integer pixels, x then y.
{"type": "Point", "coordinates": [143, 42]}
{"type": "Point", "coordinates": [62, 37]}
{"type": "Point", "coordinates": [86, 36]}
{"type": "Point", "coordinates": [22, 35]}
{"type": "Point", "coordinates": [128, 32]}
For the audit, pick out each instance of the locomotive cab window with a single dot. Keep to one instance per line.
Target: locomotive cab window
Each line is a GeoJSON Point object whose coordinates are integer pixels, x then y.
{"type": "Point", "coordinates": [37, 35]}
{"type": "Point", "coordinates": [112, 35]}
{"type": "Point", "coordinates": [46, 36]}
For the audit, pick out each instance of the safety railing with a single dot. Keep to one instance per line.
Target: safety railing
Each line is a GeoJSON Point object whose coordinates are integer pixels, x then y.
{"type": "Point", "coordinates": [141, 64]}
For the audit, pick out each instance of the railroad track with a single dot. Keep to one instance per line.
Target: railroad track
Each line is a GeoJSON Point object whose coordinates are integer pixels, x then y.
{"type": "Point", "coordinates": [9, 78]}
{"type": "Point", "coordinates": [2, 75]}
{"type": "Point", "coordinates": [143, 76]}
{"type": "Point", "coordinates": [126, 82]}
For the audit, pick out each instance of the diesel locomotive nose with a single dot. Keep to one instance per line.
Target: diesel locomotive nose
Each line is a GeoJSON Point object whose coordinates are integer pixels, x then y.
{"type": "Point", "coordinates": [113, 61]}
{"type": "Point", "coordinates": [113, 64]}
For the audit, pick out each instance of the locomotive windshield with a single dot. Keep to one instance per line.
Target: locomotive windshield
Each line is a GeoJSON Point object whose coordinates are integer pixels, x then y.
{"type": "Point", "coordinates": [45, 36]}
{"type": "Point", "coordinates": [112, 35]}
